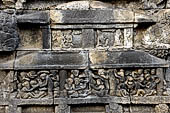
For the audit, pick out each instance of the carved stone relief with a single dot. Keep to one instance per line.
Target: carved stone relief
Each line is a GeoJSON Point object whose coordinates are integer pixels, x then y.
{"type": "Point", "coordinates": [162, 108]}
{"type": "Point", "coordinates": [8, 31]}
{"type": "Point", "coordinates": [67, 38]}
{"type": "Point", "coordinates": [160, 53]}
{"type": "Point", "coordinates": [37, 84]}
{"type": "Point", "coordinates": [139, 82]}
{"type": "Point", "coordinates": [115, 38]}
{"type": "Point", "coordinates": [156, 35]}
{"type": "Point", "coordinates": [85, 83]}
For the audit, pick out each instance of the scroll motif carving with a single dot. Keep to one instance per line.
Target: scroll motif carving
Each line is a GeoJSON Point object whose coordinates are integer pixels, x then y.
{"type": "Point", "coordinates": [160, 53]}
{"type": "Point", "coordinates": [36, 84]}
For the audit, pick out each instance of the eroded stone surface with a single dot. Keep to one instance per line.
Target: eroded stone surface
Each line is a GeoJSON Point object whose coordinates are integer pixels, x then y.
{"type": "Point", "coordinates": [8, 31]}
{"type": "Point", "coordinates": [84, 56]}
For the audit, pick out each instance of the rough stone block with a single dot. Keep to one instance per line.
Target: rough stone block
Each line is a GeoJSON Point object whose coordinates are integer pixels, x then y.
{"type": "Point", "coordinates": [75, 5]}
{"type": "Point", "coordinates": [7, 60]}
{"type": "Point", "coordinates": [88, 108]}
{"type": "Point", "coordinates": [142, 109]}
{"type": "Point", "coordinates": [51, 60]}
{"type": "Point", "coordinates": [8, 31]}
{"type": "Point", "coordinates": [30, 38]}
{"type": "Point", "coordinates": [154, 36]}
{"type": "Point", "coordinates": [115, 59]}
{"type": "Point", "coordinates": [139, 18]}
{"type": "Point", "coordinates": [35, 109]}
{"type": "Point", "coordinates": [34, 18]}
{"type": "Point", "coordinates": [150, 100]}
{"type": "Point", "coordinates": [168, 4]}
{"type": "Point", "coordinates": [162, 108]}
{"type": "Point", "coordinates": [100, 5]}
{"type": "Point", "coordinates": [88, 40]}
{"type": "Point", "coordinates": [91, 16]}
{"type": "Point", "coordinates": [3, 109]}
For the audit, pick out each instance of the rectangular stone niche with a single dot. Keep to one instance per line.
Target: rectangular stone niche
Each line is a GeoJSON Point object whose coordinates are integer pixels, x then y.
{"type": "Point", "coordinates": [30, 38]}
{"type": "Point", "coordinates": [38, 109]}
{"type": "Point", "coordinates": [142, 109]}
{"type": "Point", "coordinates": [90, 108]}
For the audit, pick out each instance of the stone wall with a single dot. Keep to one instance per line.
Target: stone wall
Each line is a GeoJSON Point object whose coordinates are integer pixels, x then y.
{"type": "Point", "coordinates": [61, 56]}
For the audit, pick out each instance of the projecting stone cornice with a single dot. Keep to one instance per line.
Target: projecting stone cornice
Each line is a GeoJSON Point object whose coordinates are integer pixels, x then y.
{"type": "Point", "coordinates": [124, 59]}
{"type": "Point", "coordinates": [83, 59]}
{"type": "Point", "coordinates": [98, 16]}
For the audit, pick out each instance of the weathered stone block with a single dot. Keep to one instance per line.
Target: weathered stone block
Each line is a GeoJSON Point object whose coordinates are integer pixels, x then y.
{"type": "Point", "coordinates": [162, 108]}
{"type": "Point", "coordinates": [155, 36]}
{"type": "Point", "coordinates": [8, 31]}
{"type": "Point", "coordinates": [142, 109]}
{"type": "Point", "coordinates": [34, 18]}
{"type": "Point", "coordinates": [7, 60]}
{"type": "Point", "coordinates": [30, 38]}
{"type": "Point", "coordinates": [3, 109]}
{"type": "Point", "coordinates": [100, 5]}
{"type": "Point", "coordinates": [108, 59]}
{"type": "Point", "coordinates": [51, 60]}
{"type": "Point", "coordinates": [91, 16]}
{"type": "Point", "coordinates": [88, 108]}
{"type": "Point", "coordinates": [115, 38]}
{"type": "Point", "coordinates": [75, 5]}
{"type": "Point", "coordinates": [66, 39]}
{"type": "Point", "coordinates": [35, 109]}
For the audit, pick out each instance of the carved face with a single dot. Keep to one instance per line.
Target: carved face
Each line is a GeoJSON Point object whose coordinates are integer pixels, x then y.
{"type": "Point", "coordinates": [140, 71]}
{"type": "Point", "coordinates": [75, 72]}
{"type": "Point", "coordinates": [70, 81]}
{"type": "Point", "coordinates": [77, 81]}
{"type": "Point", "coordinates": [26, 84]}
{"type": "Point", "coordinates": [153, 71]}
{"type": "Point", "coordinates": [129, 80]}
{"type": "Point", "coordinates": [33, 83]}
{"type": "Point", "coordinates": [146, 71]}
{"type": "Point", "coordinates": [101, 71]}
{"type": "Point", "coordinates": [43, 76]}
{"type": "Point", "coordinates": [99, 82]}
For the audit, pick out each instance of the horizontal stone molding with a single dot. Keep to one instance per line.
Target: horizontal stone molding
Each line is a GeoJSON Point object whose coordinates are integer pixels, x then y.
{"type": "Point", "coordinates": [96, 16]}
{"type": "Point", "coordinates": [110, 59]}
{"type": "Point", "coordinates": [51, 60]}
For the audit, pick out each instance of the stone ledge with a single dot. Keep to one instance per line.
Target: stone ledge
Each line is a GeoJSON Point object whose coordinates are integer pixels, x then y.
{"type": "Point", "coordinates": [51, 60]}
{"type": "Point", "coordinates": [33, 101]}
{"type": "Point", "coordinates": [96, 16]}
{"type": "Point", "coordinates": [119, 59]}
{"type": "Point", "coordinates": [151, 100]}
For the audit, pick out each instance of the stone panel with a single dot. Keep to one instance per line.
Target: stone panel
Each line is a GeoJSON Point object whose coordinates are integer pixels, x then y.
{"type": "Point", "coordinates": [7, 60]}
{"type": "Point", "coordinates": [142, 109]}
{"type": "Point", "coordinates": [8, 31]}
{"type": "Point", "coordinates": [35, 109]}
{"type": "Point", "coordinates": [30, 38]}
{"type": "Point", "coordinates": [67, 39]}
{"type": "Point", "coordinates": [91, 16]}
{"type": "Point", "coordinates": [88, 108]}
{"type": "Point", "coordinates": [115, 38]}
{"type": "Point", "coordinates": [51, 60]}
{"type": "Point", "coordinates": [108, 59]}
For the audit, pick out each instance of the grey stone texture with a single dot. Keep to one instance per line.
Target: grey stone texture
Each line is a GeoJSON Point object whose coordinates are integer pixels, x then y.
{"type": "Point", "coordinates": [61, 56]}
